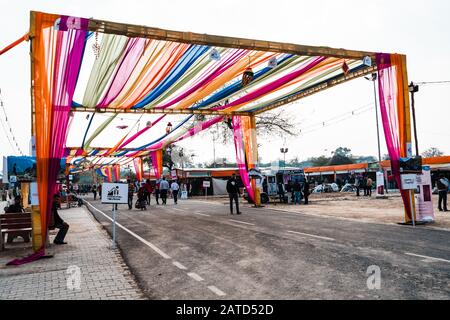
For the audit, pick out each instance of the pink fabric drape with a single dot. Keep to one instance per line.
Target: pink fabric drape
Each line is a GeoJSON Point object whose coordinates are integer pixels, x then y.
{"type": "Point", "coordinates": [240, 155]}
{"type": "Point", "coordinates": [200, 127]}
{"type": "Point", "coordinates": [67, 61]}
{"type": "Point", "coordinates": [273, 85]}
{"type": "Point", "coordinates": [238, 54]}
{"type": "Point", "coordinates": [388, 78]}
{"type": "Point", "coordinates": [140, 132]}
{"type": "Point", "coordinates": [156, 163]}
{"type": "Point", "coordinates": [134, 49]}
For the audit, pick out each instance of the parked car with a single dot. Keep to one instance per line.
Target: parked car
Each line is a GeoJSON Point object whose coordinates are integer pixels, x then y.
{"type": "Point", "coordinates": [326, 188]}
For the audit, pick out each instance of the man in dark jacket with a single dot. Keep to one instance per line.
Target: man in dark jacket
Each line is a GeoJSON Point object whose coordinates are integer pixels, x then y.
{"type": "Point", "coordinates": [306, 191]}
{"type": "Point", "coordinates": [233, 192]}
{"type": "Point", "coordinates": [58, 222]}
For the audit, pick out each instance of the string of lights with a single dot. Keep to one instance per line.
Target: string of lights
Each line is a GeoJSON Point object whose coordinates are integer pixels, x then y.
{"type": "Point", "coordinates": [336, 119]}
{"type": "Point", "coordinates": [8, 131]}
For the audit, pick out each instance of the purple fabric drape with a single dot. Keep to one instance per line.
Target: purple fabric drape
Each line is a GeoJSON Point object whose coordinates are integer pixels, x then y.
{"type": "Point", "coordinates": [240, 156]}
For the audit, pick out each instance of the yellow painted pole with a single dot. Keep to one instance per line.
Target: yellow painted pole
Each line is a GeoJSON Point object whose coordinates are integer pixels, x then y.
{"type": "Point", "coordinates": [407, 143]}
{"type": "Point", "coordinates": [37, 240]}
{"type": "Point", "coordinates": [253, 153]}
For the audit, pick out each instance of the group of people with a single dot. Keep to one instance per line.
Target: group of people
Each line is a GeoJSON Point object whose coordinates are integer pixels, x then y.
{"type": "Point", "coordinates": [161, 190]}
{"type": "Point", "coordinates": [365, 183]}
{"type": "Point", "coordinates": [298, 190]}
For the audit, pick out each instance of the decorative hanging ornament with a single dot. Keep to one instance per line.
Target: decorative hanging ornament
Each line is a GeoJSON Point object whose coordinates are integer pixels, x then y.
{"type": "Point", "coordinates": [168, 128]}
{"type": "Point", "coordinates": [149, 124]}
{"type": "Point", "coordinates": [345, 68]}
{"type": "Point", "coordinates": [122, 127]}
{"type": "Point", "coordinates": [247, 76]}
{"type": "Point", "coordinates": [273, 62]}
{"type": "Point", "coordinates": [96, 47]}
{"type": "Point", "coordinates": [214, 54]}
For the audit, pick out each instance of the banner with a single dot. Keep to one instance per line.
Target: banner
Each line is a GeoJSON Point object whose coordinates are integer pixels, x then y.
{"type": "Point", "coordinates": [424, 203]}
{"type": "Point", "coordinates": [380, 183]}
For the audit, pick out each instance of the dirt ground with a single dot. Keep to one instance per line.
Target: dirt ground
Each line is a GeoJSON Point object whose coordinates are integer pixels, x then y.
{"type": "Point", "coordinates": [348, 206]}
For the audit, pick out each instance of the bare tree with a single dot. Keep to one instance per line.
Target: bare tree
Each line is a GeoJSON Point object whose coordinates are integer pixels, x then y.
{"type": "Point", "coordinates": [432, 153]}
{"type": "Point", "coordinates": [269, 125]}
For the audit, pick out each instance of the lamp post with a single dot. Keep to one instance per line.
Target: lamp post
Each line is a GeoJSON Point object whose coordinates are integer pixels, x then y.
{"type": "Point", "coordinates": [373, 78]}
{"type": "Point", "coordinates": [181, 154]}
{"type": "Point", "coordinates": [284, 151]}
{"type": "Point", "coordinates": [413, 88]}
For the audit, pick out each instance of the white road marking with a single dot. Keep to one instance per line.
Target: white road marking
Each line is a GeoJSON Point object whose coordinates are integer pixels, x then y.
{"type": "Point", "coordinates": [426, 257]}
{"type": "Point", "coordinates": [311, 235]}
{"type": "Point", "coordinates": [176, 209]}
{"type": "Point", "coordinates": [251, 224]}
{"type": "Point", "coordinates": [216, 291]}
{"type": "Point", "coordinates": [150, 245]}
{"type": "Point", "coordinates": [195, 276]}
{"type": "Point", "coordinates": [202, 214]}
{"type": "Point", "coordinates": [179, 265]}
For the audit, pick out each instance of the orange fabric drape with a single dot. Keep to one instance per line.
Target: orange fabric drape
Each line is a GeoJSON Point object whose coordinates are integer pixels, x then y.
{"type": "Point", "coordinates": [43, 48]}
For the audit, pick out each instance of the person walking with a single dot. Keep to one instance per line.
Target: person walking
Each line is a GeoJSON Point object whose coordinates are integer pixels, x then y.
{"type": "Point", "coordinates": [175, 187]}
{"type": "Point", "coordinates": [442, 185]}
{"type": "Point", "coordinates": [369, 186]}
{"type": "Point", "coordinates": [149, 190]}
{"type": "Point", "coordinates": [306, 191]}
{"type": "Point", "coordinates": [130, 194]}
{"type": "Point", "coordinates": [141, 198]}
{"type": "Point", "coordinates": [297, 188]}
{"type": "Point", "coordinates": [157, 191]}
{"type": "Point", "coordinates": [94, 191]}
{"type": "Point", "coordinates": [233, 193]}
{"type": "Point", "coordinates": [163, 189]}
{"type": "Point", "coordinates": [100, 190]}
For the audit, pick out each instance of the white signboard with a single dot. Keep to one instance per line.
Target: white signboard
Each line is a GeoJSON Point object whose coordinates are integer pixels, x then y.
{"type": "Point", "coordinates": [34, 196]}
{"type": "Point", "coordinates": [206, 184]}
{"type": "Point", "coordinates": [114, 192]}
{"type": "Point", "coordinates": [184, 195]}
{"type": "Point", "coordinates": [380, 183]}
{"type": "Point", "coordinates": [409, 181]}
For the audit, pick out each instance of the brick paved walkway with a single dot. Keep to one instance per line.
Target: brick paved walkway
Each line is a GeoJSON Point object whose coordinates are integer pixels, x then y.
{"type": "Point", "coordinates": [103, 273]}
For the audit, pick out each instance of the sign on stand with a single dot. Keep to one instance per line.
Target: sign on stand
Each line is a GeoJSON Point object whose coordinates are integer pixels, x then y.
{"type": "Point", "coordinates": [114, 193]}
{"type": "Point", "coordinates": [409, 182]}
{"type": "Point", "coordinates": [206, 184]}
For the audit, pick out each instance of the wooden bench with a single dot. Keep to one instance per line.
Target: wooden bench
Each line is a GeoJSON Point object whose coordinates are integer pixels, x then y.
{"type": "Point", "coordinates": [15, 225]}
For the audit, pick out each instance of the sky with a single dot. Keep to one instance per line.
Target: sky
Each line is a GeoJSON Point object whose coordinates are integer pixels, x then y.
{"type": "Point", "coordinates": [419, 29]}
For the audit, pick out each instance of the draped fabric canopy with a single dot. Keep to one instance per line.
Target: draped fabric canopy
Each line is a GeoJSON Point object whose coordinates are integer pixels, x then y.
{"type": "Point", "coordinates": [87, 73]}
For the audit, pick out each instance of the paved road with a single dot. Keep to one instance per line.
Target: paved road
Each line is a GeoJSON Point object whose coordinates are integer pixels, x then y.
{"type": "Point", "coordinates": [197, 250]}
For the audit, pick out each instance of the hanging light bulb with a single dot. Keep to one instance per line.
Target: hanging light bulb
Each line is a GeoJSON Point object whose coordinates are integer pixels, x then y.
{"type": "Point", "coordinates": [272, 63]}
{"type": "Point", "coordinates": [169, 128]}
{"type": "Point", "coordinates": [248, 74]}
